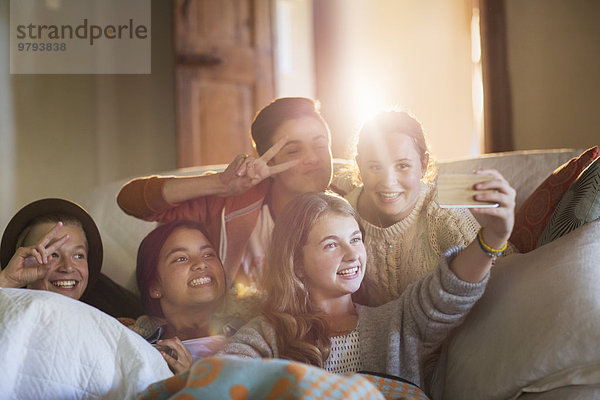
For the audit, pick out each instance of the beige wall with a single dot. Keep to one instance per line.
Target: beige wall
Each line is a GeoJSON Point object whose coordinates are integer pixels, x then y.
{"type": "Point", "coordinates": [7, 140]}
{"type": "Point", "coordinates": [554, 68]}
{"type": "Point", "coordinates": [65, 134]}
{"type": "Point", "coordinates": [413, 54]}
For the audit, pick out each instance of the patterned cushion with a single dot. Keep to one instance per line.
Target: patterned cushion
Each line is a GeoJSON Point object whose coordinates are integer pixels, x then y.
{"type": "Point", "coordinates": [533, 216]}
{"type": "Point", "coordinates": [579, 205]}
{"type": "Point", "coordinates": [393, 387]}
{"type": "Point", "coordinates": [240, 379]}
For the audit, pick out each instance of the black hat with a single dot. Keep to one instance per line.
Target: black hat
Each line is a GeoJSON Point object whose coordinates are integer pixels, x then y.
{"type": "Point", "coordinates": [39, 208]}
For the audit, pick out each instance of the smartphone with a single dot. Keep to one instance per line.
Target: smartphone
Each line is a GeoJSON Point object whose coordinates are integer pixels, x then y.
{"type": "Point", "coordinates": [166, 349]}
{"type": "Point", "coordinates": [456, 191]}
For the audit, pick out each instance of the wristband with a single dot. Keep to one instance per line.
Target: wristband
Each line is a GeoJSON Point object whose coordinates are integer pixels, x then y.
{"type": "Point", "coordinates": [488, 250]}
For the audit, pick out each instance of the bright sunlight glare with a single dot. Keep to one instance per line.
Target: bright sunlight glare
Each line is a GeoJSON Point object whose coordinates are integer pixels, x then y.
{"type": "Point", "coordinates": [367, 100]}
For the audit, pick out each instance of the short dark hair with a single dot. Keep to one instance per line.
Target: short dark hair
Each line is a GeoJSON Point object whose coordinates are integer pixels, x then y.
{"type": "Point", "coordinates": [270, 118]}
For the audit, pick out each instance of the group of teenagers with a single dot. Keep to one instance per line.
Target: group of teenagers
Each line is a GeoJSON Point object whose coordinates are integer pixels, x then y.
{"type": "Point", "coordinates": [373, 279]}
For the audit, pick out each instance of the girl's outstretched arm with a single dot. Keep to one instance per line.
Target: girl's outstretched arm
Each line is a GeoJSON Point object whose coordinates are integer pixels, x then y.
{"type": "Point", "coordinates": [475, 261]}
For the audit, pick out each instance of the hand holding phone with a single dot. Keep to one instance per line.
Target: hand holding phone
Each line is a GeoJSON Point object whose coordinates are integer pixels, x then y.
{"type": "Point", "coordinates": [457, 191]}
{"type": "Point", "coordinates": [169, 351]}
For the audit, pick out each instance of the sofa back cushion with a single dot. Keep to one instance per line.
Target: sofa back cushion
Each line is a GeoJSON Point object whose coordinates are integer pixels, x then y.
{"type": "Point", "coordinates": [122, 234]}
{"type": "Point", "coordinates": [536, 327]}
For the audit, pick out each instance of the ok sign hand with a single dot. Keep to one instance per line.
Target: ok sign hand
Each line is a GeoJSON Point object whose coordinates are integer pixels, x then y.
{"type": "Point", "coordinates": [31, 263]}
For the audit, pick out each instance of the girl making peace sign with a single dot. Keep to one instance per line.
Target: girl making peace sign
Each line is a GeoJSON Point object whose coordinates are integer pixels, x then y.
{"type": "Point", "coordinates": [239, 205]}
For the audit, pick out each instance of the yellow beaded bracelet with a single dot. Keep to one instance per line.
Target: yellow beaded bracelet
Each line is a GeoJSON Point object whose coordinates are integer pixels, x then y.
{"type": "Point", "coordinates": [490, 251]}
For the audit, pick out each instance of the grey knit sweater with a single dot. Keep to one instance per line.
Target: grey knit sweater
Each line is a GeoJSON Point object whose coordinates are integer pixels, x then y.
{"type": "Point", "coordinates": [397, 338]}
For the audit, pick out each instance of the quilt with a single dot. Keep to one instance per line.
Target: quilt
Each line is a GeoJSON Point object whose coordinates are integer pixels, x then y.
{"type": "Point", "coordinates": [54, 347]}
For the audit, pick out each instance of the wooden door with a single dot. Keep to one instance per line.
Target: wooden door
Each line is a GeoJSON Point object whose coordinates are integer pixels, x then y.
{"type": "Point", "coordinates": [224, 75]}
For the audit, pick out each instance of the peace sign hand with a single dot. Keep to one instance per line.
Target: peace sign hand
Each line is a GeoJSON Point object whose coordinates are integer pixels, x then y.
{"type": "Point", "coordinates": [246, 171]}
{"type": "Point", "coordinates": [31, 263]}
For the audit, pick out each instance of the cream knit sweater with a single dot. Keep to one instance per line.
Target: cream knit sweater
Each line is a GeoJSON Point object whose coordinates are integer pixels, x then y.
{"type": "Point", "coordinates": [411, 248]}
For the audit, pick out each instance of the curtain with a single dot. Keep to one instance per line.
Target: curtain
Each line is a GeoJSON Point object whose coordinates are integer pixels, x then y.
{"type": "Point", "coordinates": [496, 80]}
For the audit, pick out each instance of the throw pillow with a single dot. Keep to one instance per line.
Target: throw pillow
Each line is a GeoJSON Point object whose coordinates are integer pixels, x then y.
{"type": "Point", "coordinates": [579, 205]}
{"type": "Point", "coordinates": [533, 216]}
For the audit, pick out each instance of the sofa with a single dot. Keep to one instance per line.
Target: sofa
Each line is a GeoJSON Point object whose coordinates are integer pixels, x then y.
{"type": "Point", "coordinates": [535, 332]}
{"type": "Point", "coordinates": [121, 234]}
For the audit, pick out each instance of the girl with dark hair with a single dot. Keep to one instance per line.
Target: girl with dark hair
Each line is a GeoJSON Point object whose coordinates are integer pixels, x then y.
{"type": "Point", "coordinates": [317, 261]}
{"type": "Point", "coordinates": [182, 286]}
{"type": "Point", "coordinates": [239, 205]}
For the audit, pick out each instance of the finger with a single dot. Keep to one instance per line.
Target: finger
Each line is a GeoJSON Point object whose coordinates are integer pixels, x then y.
{"type": "Point", "coordinates": [250, 169]}
{"type": "Point", "coordinates": [172, 362]}
{"type": "Point", "coordinates": [240, 164]}
{"type": "Point", "coordinates": [51, 234]}
{"type": "Point", "coordinates": [269, 154]}
{"type": "Point", "coordinates": [58, 244]}
{"type": "Point", "coordinates": [43, 253]}
{"type": "Point", "coordinates": [501, 204]}
{"type": "Point", "coordinates": [278, 168]}
{"type": "Point", "coordinates": [174, 344]}
{"type": "Point", "coordinates": [180, 363]}
{"type": "Point", "coordinates": [490, 211]}
{"type": "Point", "coordinates": [494, 185]}
{"type": "Point", "coordinates": [235, 164]}
{"type": "Point", "coordinates": [183, 354]}
{"type": "Point", "coordinates": [497, 185]}
{"type": "Point", "coordinates": [502, 192]}
{"type": "Point", "coordinates": [37, 255]}
{"type": "Point", "coordinates": [28, 256]}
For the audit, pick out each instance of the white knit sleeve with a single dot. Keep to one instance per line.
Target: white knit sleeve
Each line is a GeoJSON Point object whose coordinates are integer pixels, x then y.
{"type": "Point", "coordinates": [449, 227]}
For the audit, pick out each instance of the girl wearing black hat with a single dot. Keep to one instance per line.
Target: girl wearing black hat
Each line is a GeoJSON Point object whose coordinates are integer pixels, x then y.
{"type": "Point", "coordinates": [51, 244]}
{"type": "Point", "coordinates": [54, 244]}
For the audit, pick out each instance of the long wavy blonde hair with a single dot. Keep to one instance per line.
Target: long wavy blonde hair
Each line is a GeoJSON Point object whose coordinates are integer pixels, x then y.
{"type": "Point", "coordinates": [301, 328]}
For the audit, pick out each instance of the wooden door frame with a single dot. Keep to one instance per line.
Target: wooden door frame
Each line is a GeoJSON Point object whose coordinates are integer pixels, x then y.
{"type": "Point", "coordinates": [263, 87]}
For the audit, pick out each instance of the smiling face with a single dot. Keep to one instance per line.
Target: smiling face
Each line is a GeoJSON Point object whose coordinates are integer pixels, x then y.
{"type": "Point", "coordinates": [308, 141]}
{"type": "Point", "coordinates": [68, 268]}
{"type": "Point", "coordinates": [333, 258]}
{"type": "Point", "coordinates": [189, 271]}
{"type": "Point", "coordinates": [391, 173]}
